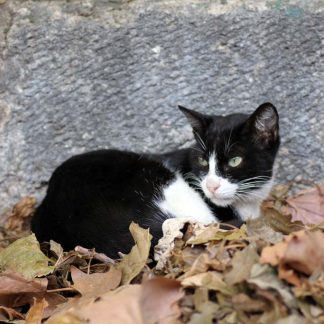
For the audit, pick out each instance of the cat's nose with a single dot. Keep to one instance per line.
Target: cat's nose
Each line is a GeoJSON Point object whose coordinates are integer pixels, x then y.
{"type": "Point", "coordinates": [212, 186]}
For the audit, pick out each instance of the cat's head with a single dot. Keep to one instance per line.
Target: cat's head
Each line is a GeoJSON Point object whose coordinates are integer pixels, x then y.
{"type": "Point", "coordinates": [232, 161]}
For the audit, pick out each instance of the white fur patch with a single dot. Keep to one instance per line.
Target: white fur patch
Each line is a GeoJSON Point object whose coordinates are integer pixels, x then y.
{"type": "Point", "coordinates": [225, 194]}
{"type": "Point", "coordinates": [181, 201]}
{"type": "Point", "coordinates": [250, 207]}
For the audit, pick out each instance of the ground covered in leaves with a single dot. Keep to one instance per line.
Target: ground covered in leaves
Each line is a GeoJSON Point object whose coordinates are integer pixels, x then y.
{"type": "Point", "coordinates": [270, 270]}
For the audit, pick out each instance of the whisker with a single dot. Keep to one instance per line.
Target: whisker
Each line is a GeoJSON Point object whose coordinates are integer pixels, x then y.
{"type": "Point", "coordinates": [200, 141]}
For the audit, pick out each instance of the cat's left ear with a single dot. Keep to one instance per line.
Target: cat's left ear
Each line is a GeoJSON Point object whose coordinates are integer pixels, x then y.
{"type": "Point", "coordinates": [199, 122]}
{"type": "Point", "coordinates": [264, 123]}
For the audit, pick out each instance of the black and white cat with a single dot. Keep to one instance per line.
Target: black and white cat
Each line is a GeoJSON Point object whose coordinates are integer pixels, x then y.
{"type": "Point", "coordinates": [92, 198]}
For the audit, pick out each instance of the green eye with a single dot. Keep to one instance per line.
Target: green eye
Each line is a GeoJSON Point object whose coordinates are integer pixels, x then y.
{"type": "Point", "coordinates": [202, 161]}
{"type": "Point", "coordinates": [235, 161]}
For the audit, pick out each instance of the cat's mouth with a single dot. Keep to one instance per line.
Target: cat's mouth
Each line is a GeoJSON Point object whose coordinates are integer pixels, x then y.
{"type": "Point", "coordinates": [222, 194]}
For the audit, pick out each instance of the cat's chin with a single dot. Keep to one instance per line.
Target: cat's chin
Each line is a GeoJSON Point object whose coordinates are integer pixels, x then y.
{"type": "Point", "coordinates": [221, 202]}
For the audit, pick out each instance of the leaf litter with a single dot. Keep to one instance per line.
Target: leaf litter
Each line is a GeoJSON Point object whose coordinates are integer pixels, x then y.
{"type": "Point", "coordinates": [270, 270]}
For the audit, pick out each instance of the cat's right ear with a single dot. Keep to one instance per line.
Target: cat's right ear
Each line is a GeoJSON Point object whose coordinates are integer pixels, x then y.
{"type": "Point", "coordinates": [264, 123]}
{"type": "Point", "coordinates": [199, 122]}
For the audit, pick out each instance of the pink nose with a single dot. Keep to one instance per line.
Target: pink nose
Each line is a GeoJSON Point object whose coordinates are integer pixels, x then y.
{"type": "Point", "coordinates": [212, 186]}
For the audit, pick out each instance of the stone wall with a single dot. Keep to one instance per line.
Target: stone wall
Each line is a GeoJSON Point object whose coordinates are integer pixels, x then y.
{"type": "Point", "coordinates": [82, 75]}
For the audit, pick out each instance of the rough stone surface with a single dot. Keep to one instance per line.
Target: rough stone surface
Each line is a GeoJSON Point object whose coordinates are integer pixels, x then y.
{"type": "Point", "coordinates": [81, 75]}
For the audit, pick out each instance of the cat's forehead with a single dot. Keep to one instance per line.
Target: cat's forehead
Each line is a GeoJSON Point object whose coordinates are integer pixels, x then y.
{"type": "Point", "coordinates": [224, 131]}
{"type": "Point", "coordinates": [228, 122]}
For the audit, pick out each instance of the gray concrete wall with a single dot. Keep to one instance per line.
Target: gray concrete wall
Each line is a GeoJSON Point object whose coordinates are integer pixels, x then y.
{"type": "Point", "coordinates": [82, 75]}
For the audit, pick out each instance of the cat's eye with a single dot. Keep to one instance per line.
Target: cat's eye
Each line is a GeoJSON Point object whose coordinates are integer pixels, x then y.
{"type": "Point", "coordinates": [202, 161]}
{"type": "Point", "coordinates": [235, 161]}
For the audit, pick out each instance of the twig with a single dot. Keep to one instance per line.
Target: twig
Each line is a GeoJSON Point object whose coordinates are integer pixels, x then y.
{"type": "Point", "coordinates": [93, 254]}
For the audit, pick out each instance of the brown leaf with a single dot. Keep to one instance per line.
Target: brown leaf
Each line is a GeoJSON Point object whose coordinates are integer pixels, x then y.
{"type": "Point", "coordinates": [159, 300]}
{"type": "Point", "coordinates": [24, 256]}
{"type": "Point", "coordinates": [304, 252]}
{"type": "Point", "coordinates": [243, 302]}
{"type": "Point", "coordinates": [214, 233]}
{"type": "Point", "coordinates": [95, 284]}
{"type": "Point", "coordinates": [10, 313]}
{"type": "Point", "coordinates": [288, 274]}
{"type": "Point", "coordinates": [308, 206]}
{"type": "Point", "coordinates": [22, 210]}
{"type": "Point", "coordinates": [153, 301]}
{"type": "Point", "coordinates": [242, 263]}
{"type": "Point", "coordinates": [274, 254]}
{"type": "Point", "coordinates": [211, 280]}
{"type": "Point", "coordinates": [265, 277]}
{"type": "Point", "coordinates": [279, 221]}
{"type": "Point", "coordinates": [133, 263]}
{"type": "Point", "coordinates": [35, 313]}
{"type": "Point", "coordinates": [13, 283]}
{"type": "Point", "coordinates": [300, 251]}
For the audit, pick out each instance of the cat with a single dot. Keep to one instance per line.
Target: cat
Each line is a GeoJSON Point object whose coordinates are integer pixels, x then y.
{"type": "Point", "coordinates": [92, 198]}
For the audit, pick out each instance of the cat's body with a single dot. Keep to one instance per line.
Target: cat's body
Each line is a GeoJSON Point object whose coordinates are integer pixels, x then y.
{"type": "Point", "coordinates": [92, 198]}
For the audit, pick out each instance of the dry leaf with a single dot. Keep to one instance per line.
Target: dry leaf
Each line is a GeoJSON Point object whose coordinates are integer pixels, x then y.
{"type": "Point", "coordinates": [10, 314]}
{"type": "Point", "coordinates": [265, 277]}
{"type": "Point", "coordinates": [24, 256]}
{"type": "Point", "coordinates": [22, 210]}
{"type": "Point", "coordinates": [242, 263]}
{"type": "Point", "coordinates": [159, 300]}
{"type": "Point", "coordinates": [153, 301]}
{"type": "Point", "coordinates": [214, 233]}
{"type": "Point", "coordinates": [121, 305]}
{"type": "Point", "coordinates": [171, 230]}
{"type": "Point", "coordinates": [35, 313]}
{"type": "Point", "coordinates": [288, 274]}
{"type": "Point", "coordinates": [305, 252]}
{"type": "Point", "coordinates": [57, 249]}
{"type": "Point", "coordinates": [274, 254]}
{"type": "Point", "coordinates": [14, 283]}
{"type": "Point", "coordinates": [211, 280]}
{"type": "Point", "coordinates": [133, 263]}
{"type": "Point", "coordinates": [299, 250]}
{"type": "Point", "coordinates": [243, 302]}
{"type": "Point", "coordinates": [308, 206]}
{"type": "Point", "coordinates": [95, 284]}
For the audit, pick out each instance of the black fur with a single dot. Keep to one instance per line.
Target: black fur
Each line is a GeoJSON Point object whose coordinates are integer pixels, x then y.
{"type": "Point", "coordinates": [92, 198]}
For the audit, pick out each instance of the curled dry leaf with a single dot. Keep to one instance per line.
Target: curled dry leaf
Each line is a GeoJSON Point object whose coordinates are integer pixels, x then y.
{"type": "Point", "coordinates": [214, 233]}
{"type": "Point", "coordinates": [300, 251]}
{"type": "Point", "coordinates": [36, 312]}
{"type": "Point", "coordinates": [7, 313]}
{"type": "Point", "coordinates": [308, 206]}
{"type": "Point", "coordinates": [22, 210]}
{"type": "Point", "coordinates": [171, 230]}
{"type": "Point", "coordinates": [133, 263]}
{"type": "Point", "coordinates": [304, 252]}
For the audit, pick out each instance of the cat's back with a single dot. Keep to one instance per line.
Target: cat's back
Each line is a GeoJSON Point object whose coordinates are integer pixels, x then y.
{"type": "Point", "coordinates": [108, 167]}
{"type": "Point", "coordinates": [93, 197]}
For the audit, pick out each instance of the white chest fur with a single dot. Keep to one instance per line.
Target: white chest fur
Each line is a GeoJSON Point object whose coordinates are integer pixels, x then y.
{"type": "Point", "coordinates": [181, 201]}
